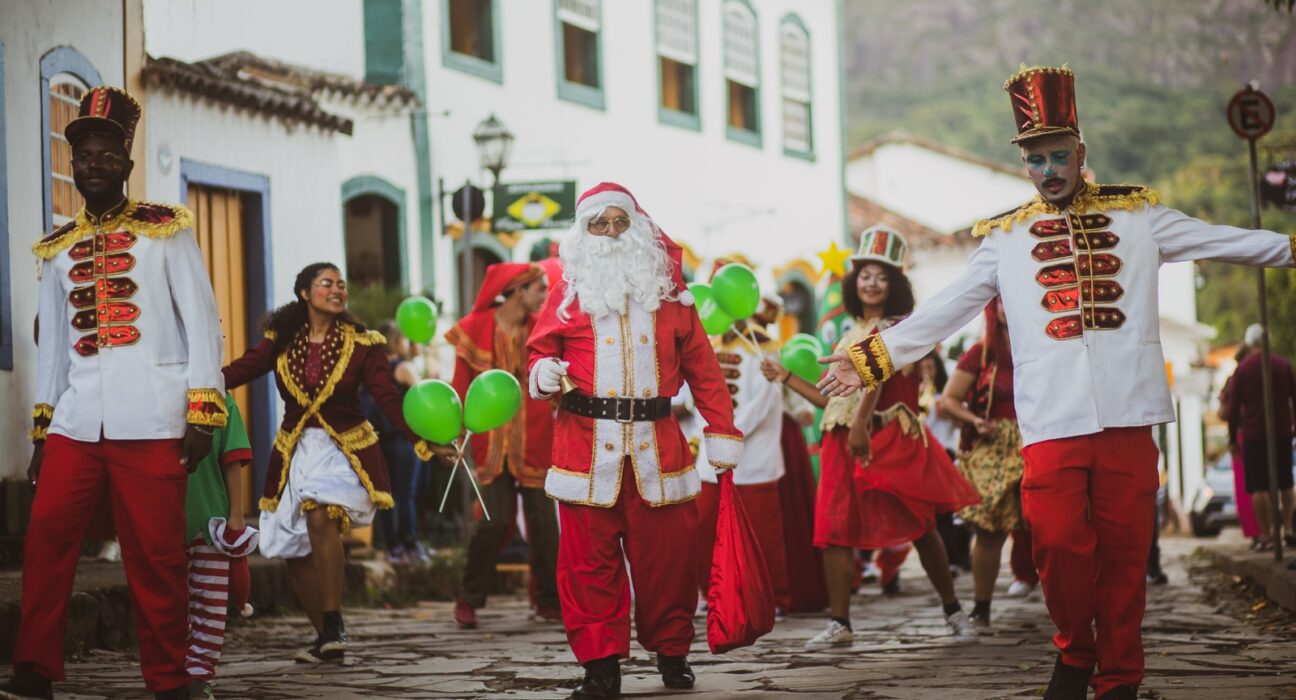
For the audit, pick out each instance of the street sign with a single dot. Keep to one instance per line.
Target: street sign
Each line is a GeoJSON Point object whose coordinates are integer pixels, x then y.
{"type": "Point", "coordinates": [527, 206]}
{"type": "Point", "coordinates": [1250, 113]}
{"type": "Point", "coordinates": [475, 199]}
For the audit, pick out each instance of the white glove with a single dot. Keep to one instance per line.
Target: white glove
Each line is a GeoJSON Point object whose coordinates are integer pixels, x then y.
{"type": "Point", "coordinates": [547, 372]}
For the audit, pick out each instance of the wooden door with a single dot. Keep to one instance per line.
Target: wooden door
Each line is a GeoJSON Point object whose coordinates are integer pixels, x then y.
{"type": "Point", "coordinates": [218, 224]}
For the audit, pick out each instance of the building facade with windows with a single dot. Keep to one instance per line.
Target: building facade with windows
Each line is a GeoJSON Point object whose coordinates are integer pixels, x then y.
{"type": "Point", "coordinates": [724, 117]}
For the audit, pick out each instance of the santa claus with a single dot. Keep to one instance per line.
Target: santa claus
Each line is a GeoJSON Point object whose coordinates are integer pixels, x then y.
{"type": "Point", "coordinates": [617, 337]}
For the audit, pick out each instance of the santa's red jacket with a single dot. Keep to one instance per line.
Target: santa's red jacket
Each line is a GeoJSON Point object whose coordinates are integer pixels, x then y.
{"type": "Point", "coordinates": [637, 354]}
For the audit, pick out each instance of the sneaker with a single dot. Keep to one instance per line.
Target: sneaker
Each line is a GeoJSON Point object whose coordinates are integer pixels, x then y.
{"type": "Point", "coordinates": [109, 551]}
{"type": "Point", "coordinates": [1019, 589]}
{"type": "Point", "coordinates": [464, 614]}
{"type": "Point", "coordinates": [962, 628]}
{"type": "Point", "coordinates": [334, 638]}
{"type": "Point", "coordinates": [313, 655]}
{"type": "Point", "coordinates": [201, 690]}
{"type": "Point", "coordinates": [892, 587]}
{"type": "Point", "coordinates": [1157, 578]}
{"type": "Point", "coordinates": [26, 684]}
{"type": "Point", "coordinates": [834, 635]}
{"type": "Point", "coordinates": [980, 619]}
{"type": "Point", "coordinates": [870, 573]}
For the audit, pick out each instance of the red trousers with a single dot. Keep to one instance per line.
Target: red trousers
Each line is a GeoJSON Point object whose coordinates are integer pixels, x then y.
{"type": "Point", "coordinates": [593, 548]}
{"type": "Point", "coordinates": [1089, 501]}
{"type": "Point", "coordinates": [1023, 559]}
{"type": "Point", "coordinates": [147, 485]}
{"type": "Point", "coordinates": [766, 513]}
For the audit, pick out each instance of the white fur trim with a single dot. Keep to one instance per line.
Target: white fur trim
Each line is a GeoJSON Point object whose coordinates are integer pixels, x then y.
{"type": "Point", "coordinates": [532, 381]}
{"type": "Point", "coordinates": [598, 489]}
{"type": "Point", "coordinates": [723, 451]}
{"type": "Point", "coordinates": [245, 544]}
{"type": "Point", "coordinates": [686, 298]}
{"type": "Point", "coordinates": [596, 203]}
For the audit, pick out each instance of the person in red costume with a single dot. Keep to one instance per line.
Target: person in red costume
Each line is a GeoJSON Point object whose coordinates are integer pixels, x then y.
{"type": "Point", "coordinates": [514, 458]}
{"type": "Point", "coordinates": [618, 337]}
{"type": "Point", "coordinates": [326, 473]}
{"type": "Point", "coordinates": [1077, 270]}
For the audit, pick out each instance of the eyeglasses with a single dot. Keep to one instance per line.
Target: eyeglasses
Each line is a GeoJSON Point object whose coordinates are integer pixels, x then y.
{"type": "Point", "coordinates": [328, 284]}
{"type": "Point", "coordinates": [107, 158]}
{"type": "Point", "coordinates": [620, 224]}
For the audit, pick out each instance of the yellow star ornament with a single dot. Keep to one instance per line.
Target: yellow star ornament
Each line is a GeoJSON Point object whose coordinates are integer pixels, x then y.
{"type": "Point", "coordinates": [834, 259]}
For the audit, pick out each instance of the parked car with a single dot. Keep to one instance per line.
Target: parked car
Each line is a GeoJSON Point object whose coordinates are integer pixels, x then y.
{"type": "Point", "coordinates": [1214, 506]}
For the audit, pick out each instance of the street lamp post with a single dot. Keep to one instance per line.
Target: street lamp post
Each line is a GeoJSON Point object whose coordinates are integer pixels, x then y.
{"type": "Point", "coordinates": [494, 142]}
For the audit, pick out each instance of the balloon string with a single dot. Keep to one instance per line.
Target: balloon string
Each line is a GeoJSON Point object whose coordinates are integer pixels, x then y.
{"type": "Point", "coordinates": [751, 343]}
{"type": "Point", "coordinates": [472, 478]}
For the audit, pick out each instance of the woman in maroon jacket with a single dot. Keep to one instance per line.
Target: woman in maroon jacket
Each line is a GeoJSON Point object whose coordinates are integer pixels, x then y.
{"type": "Point", "coordinates": [326, 472]}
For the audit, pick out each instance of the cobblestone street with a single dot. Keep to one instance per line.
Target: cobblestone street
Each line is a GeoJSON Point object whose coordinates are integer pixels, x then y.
{"type": "Point", "coordinates": [1207, 637]}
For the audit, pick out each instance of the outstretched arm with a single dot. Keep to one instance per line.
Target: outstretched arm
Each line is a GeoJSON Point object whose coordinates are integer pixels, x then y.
{"type": "Point", "coordinates": [869, 363]}
{"type": "Point", "coordinates": [1181, 238]}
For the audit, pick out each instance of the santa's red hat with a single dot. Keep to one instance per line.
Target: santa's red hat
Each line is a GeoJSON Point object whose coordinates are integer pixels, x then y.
{"type": "Point", "coordinates": [604, 195]}
{"type": "Point", "coordinates": [502, 277]}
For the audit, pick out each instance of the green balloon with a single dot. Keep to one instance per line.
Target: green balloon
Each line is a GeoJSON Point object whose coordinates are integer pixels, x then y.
{"type": "Point", "coordinates": [736, 290]}
{"type": "Point", "coordinates": [714, 320]}
{"type": "Point", "coordinates": [416, 317]}
{"type": "Point", "coordinates": [493, 399]}
{"type": "Point", "coordinates": [803, 361]}
{"type": "Point", "coordinates": [432, 410]}
{"type": "Point", "coordinates": [807, 340]}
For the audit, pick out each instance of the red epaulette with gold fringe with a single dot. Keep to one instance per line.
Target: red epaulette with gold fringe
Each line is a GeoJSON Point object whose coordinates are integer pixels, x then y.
{"type": "Point", "coordinates": [1099, 198]}
{"type": "Point", "coordinates": [149, 219]}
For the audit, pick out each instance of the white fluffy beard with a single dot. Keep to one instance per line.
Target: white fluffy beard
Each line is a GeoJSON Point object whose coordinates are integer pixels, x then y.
{"type": "Point", "coordinates": [603, 272]}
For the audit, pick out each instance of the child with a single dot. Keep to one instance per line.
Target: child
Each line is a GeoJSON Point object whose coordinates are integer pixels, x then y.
{"type": "Point", "coordinates": [218, 543]}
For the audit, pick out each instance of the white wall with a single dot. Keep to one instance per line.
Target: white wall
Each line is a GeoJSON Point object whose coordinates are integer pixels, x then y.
{"type": "Point", "coordinates": [29, 30]}
{"type": "Point", "coordinates": [300, 161]}
{"type": "Point", "coordinates": [716, 195]}
{"type": "Point", "coordinates": [906, 178]}
{"type": "Point", "coordinates": [327, 35]}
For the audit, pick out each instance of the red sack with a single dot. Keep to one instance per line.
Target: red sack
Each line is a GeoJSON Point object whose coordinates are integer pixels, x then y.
{"type": "Point", "coordinates": [740, 600]}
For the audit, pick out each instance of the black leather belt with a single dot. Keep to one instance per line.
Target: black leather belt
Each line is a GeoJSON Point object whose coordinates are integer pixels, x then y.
{"type": "Point", "coordinates": [619, 410]}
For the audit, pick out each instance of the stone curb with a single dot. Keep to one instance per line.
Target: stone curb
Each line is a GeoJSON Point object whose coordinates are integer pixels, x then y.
{"type": "Point", "coordinates": [1278, 582]}
{"type": "Point", "coordinates": [99, 616]}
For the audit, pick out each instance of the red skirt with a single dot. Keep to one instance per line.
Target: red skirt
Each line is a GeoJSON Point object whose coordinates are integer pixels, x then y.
{"type": "Point", "coordinates": [894, 499]}
{"type": "Point", "coordinates": [797, 498]}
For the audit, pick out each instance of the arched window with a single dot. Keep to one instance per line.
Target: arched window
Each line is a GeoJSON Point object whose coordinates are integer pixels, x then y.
{"type": "Point", "coordinates": [677, 61]}
{"type": "Point", "coordinates": [794, 66]}
{"type": "Point", "coordinates": [742, 72]}
{"type": "Point", "coordinates": [64, 99]}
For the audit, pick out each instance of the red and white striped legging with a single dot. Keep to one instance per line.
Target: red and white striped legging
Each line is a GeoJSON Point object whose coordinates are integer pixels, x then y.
{"type": "Point", "coordinates": [209, 593]}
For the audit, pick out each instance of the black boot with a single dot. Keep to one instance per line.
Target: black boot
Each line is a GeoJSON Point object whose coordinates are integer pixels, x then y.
{"type": "Point", "coordinates": [334, 637]}
{"type": "Point", "coordinates": [26, 684]}
{"type": "Point", "coordinates": [602, 680]}
{"type": "Point", "coordinates": [1120, 692]}
{"type": "Point", "coordinates": [181, 693]}
{"type": "Point", "coordinates": [1068, 682]}
{"type": "Point", "coordinates": [675, 671]}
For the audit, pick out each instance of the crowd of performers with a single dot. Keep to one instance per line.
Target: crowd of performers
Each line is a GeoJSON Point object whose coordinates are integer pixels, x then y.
{"type": "Point", "coordinates": [633, 414]}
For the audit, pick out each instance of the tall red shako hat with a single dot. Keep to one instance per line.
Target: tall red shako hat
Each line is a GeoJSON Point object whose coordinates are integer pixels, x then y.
{"type": "Point", "coordinates": [1043, 102]}
{"type": "Point", "coordinates": [108, 111]}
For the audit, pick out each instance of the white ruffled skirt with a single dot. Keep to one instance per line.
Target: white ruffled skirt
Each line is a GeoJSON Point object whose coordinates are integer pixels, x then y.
{"type": "Point", "coordinates": [319, 473]}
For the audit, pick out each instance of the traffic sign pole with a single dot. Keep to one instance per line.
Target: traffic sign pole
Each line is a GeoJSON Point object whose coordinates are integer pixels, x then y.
{"type": "Point", "coordinates": [1251, 115]}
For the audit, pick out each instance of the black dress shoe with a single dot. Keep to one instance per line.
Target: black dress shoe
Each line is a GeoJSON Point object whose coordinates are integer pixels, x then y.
{"type": "Point", "coordinates": [1120, 692]}
{"type": "Point", "coordinates": [26, 684]}
{"type": "Point", "coordinates": [1068, 682]}
{"type": "Point", "coordinates": [675, 671]}
{"type": "Point", "coordinates": [602, 680]}
{"type": "Point", "coordinates": [181, 693]}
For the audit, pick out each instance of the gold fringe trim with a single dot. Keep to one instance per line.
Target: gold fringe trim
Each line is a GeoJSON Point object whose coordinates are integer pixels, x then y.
{"type": "Point", "coordinates": [271, 335]}
{"type": "Point", "coordinates": [43, 410]}
{"type": "Point", "coordinates": [1087, 201]}
{"type": "Point", "coordinates": [423, 450]}
{"type": "Point", "coordinates": [859, 359]}
{"type": "Point", "coordinates": [883, 357]}
{"type": "Point", "coordinates": [268, 504]}
{"type": "Point", "coordinates": [467, 350]}
{"type": "Point", "coordinates": [335, 512]}
{"type": "Point", "coordinates": [218, 417]}
{"type": "Point", "coordinates": [371, 338]}
{"type": "Point", "coordinates": [1024, 71]}
{"type": "Point", "coordinates": [183, 219]}
{"type": "Point", "coordinates": [308, 504]}
{"type": "Point", "coordinates": [39, 433]}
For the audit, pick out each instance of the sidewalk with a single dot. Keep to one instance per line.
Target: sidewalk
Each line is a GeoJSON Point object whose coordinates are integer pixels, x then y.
{"type": "Point", "coordinates": [1233, 554]}
{"type": "Point", "coordinates": [99, 616]}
